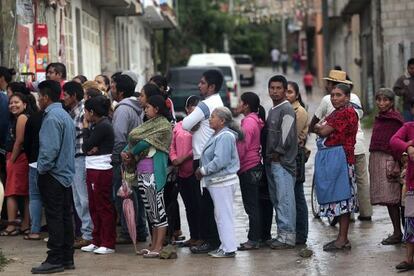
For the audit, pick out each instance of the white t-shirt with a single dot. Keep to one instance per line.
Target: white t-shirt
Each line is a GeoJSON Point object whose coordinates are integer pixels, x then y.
{"type": "Point", "coordinates": [325, 108]}
{"type": "Point", "coordinates": [275, 54]}
{"type": "Point", "coordinates": [201, 114]}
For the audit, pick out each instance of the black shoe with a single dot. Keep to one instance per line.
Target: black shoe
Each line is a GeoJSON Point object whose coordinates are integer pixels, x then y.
{"type": "Point", "coordinates": [47, 268]}
{"type": "Point", "coordinates": [69, 265]}
{"type": "Point", "coordinates": [361, 218]}
{"type": "Point", "coordinates": [202, 249]}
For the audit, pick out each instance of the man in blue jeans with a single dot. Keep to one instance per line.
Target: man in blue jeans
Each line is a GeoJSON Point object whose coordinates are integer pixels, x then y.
{"type": "Point", "coordinates": [280, 162]}
{"type": "Point", "coordinates": [73, 101]}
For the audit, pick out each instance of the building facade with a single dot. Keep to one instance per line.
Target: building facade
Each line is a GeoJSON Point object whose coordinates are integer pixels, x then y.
{"type": "Point", "coordinates": [89, 36]}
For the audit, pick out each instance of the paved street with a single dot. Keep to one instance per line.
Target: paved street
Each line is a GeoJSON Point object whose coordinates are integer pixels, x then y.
{"type": "Point", "coordinates": [367, 256]}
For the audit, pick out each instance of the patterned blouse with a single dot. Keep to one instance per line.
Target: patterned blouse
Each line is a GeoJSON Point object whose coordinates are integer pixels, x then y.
{"type": "Point", "coordinates": [345, 122]}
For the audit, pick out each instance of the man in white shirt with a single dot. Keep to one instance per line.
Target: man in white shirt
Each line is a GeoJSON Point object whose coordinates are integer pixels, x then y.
{"type": "Point", "coordinates": [361, 170]}
{"type": "Point", "coordinates": [274, 54]}
{"type": "Point", "coordinates": [198, 122]}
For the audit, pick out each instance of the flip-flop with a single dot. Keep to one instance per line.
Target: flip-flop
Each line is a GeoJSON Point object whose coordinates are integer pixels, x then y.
{"type": "Point", "coordinates": [10, 233]}
{"type": "Point", "coordinates": [404, 266]}
{"type": "Point", "coordinates": [25, 231]}
{"type": "Point", "coordinates": [391, 240]}
{"type": "Point", "coordinates": [248, 246]}
{"type": "Point", "coordinates": [152, 255]}
{"type": "Point", "coordinates": [30, 238]}
{"type": "Point", "coordinates": [332, 247]}
{"type": "Point", "coordinates": [143, 251]}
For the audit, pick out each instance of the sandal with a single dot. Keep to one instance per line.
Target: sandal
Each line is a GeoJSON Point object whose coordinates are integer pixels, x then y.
{"type": "Point", "coordinates": [10, 233]}
{"type": "Point", "coordinates": [152, 255]}
{"type": "Point", "coordinates": [143, 251]}
{"type": "Point", "coordinates": [25, 231]}
{"type": "Point", "coordinates": [391, 240]}
{"type": "Point", "coordinates": [405, 266]}
{"type": "Point", "coordinates": [332, 247]}
{"type": "Point", "coordinates": [32, 237]}
{"type": "Point", "coordinates": [249, 245]}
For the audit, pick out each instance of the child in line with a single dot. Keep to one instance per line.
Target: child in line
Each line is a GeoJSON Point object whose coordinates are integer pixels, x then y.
{"type": "Point", "coordinates": [98, 144]}
{"type": "Point", "coordinates": [181, 155]}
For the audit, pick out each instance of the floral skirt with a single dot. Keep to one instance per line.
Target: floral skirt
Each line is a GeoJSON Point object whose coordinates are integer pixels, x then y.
{"type": "Point", "coordinates": [349, 205]}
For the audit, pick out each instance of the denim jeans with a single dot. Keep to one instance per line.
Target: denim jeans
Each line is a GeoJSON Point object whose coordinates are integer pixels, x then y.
{"type": "Point", "coordinates": [301, 214]}
{"type": "Point", "coordinates": [140, 218]}
{"type": "Point", "coordinates": [80, 198]}
{"type": "Point", "coordinates": [35, 201]}
{"type": "Point", "coordinates": [282, 194]}
{"type": "Point", "coordinates": [249, 186]}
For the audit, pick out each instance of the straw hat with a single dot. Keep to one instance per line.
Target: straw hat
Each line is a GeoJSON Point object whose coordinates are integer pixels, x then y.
{"type": "Point", "coordinates": [337, 76]}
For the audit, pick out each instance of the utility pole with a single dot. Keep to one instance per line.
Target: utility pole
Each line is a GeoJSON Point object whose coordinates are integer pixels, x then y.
{"type": "Point", "coordinates": [283, 26]}
{"type": "Point", "coordinates": [325, 34]}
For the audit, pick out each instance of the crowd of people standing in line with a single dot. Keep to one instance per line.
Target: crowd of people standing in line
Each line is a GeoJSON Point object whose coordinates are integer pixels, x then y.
{"type": "Point", "coordinates": [117, 134]}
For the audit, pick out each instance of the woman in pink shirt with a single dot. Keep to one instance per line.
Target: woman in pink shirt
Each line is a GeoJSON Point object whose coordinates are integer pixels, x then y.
{"type": "Point", "coordinates": [251, 168]}
{"type": "Point", "coordinates": [181, 155]}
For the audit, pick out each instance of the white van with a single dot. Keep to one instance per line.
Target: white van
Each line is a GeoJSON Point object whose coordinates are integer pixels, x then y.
{"type": "Point", "coordinates": [227, 65]}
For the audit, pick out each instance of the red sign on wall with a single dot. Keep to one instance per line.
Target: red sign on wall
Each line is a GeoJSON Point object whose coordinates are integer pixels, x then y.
{"type": "Point", "coordinates": [41, 43]}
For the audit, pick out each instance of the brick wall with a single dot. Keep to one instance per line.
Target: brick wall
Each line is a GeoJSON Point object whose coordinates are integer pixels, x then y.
{"type": "Point", "coordinates": [397, 20]}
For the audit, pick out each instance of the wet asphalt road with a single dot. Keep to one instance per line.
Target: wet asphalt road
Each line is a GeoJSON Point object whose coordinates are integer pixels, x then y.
{"type": "Point", "coordinates": [367, 257]}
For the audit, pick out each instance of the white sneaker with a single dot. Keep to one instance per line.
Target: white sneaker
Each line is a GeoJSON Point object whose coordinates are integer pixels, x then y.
{"type": "Point", "coordinates": [89, 248]}
{"type": "Point", "coordinates": [104, 250]}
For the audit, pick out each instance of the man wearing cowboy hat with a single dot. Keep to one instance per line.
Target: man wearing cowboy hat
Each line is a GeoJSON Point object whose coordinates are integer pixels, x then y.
{"type": "Point", "coordinates": [325, 108]}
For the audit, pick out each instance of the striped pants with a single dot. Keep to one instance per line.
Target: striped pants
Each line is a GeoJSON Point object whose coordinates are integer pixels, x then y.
{"type": "Point", "coordinates": [153, 200]}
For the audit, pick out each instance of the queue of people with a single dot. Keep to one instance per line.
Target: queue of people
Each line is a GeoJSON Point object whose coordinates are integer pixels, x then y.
{"type": "Point", "coordinates": [73, 149]}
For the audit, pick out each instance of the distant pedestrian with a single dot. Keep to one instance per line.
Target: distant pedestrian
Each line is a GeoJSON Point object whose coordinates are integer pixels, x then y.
{"type": "Point", "coordinates": [404, 87]}
{"type": "Point", "coordinates": [284, 59]}
{"type": "Point", "coordinates": [280, 162]}
{"type": "Point", "coordinates": [219, 164]}
{"type": "Point", "coordinates": [337, 193]}
{"type": "Point", "coordinates": [56, 167]}
{"type": "Point", "coordinates": [308, 82]}
{"type": "Point", "coordinates": [296, 61]}
{"type": "Point", "coordinates": [401, 143]}
{"type": "Point", "coordinates": [198, 122]}
{"type": "Point", "coordinates": [275, 56]}
{"type": "Point", "coordinates": [98, 143]}
{"type": "Point", "coordinates": [384, 167]}
{"type": "Point", "coordinates": [295, 99]}
{"type": "Point", "coordinates": [251, 167]}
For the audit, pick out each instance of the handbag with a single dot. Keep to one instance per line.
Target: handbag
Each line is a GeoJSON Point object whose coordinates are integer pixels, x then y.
{"type": "Point", "coordinates": [331, 175]}
{"type": "Point", "coordinates": [409, 204]}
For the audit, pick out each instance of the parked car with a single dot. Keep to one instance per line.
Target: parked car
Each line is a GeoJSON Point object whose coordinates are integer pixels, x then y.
{"type": "Point", "coordinates": [184, 83]}
{"type": "Point", "coordinates": [246, 69]}
{"type": "Point", "coordinates": [227, 65]}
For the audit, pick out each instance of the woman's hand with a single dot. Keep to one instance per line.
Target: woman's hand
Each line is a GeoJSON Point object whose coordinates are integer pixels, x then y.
{"type": "Point", "coordinates": [93, 151]}
{"type": "Point", "coordinates": [126, 157]}
{"type": "Point", "coordinates": [198, 174]}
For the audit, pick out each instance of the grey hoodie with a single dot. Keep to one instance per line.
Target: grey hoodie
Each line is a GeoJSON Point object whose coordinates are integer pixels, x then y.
{"type": "Point", "coordinates": [127, 116]}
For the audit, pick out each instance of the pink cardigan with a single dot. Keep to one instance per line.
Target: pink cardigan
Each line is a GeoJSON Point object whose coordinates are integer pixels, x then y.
{"type": "Point", "coordinates": [181, 145]}
{"type": "Point", "coordinates": [249, 147]}
{"type": "Point", "coordinates": [399, 143]}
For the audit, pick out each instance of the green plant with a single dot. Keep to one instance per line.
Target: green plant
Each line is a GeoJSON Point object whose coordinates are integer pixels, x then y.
{"type": "Point", "coordinates": [3, 260]}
